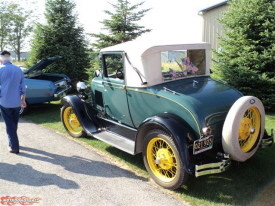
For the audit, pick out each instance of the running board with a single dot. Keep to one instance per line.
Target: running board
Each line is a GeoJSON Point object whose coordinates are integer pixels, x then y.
{"type": "Point", "coordinates": [117, 141]}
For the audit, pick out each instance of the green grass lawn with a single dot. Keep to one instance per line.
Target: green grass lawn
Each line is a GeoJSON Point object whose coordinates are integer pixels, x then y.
{"type": "Point", "coordinates": [248, 183]}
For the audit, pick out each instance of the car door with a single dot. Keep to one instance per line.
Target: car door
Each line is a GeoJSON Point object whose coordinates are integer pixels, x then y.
{"type": "Point", "coordinates": [114, 94]}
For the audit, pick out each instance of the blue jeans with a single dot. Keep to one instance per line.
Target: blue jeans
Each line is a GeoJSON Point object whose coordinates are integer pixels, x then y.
{"type": "Point", "coordinates": [11, 118]}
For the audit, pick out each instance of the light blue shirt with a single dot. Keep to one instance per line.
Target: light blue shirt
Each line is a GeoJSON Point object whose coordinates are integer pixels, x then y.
{"type": "Point", "coordinates": [12, 85]}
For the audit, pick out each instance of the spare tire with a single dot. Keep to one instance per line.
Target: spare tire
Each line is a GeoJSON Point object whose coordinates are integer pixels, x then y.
{"type": "Point", "coordinates": [243, 128]}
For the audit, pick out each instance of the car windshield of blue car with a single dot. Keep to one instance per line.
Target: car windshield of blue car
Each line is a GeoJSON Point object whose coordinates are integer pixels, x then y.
{"type": "Point", "coordinates": [182, 63]}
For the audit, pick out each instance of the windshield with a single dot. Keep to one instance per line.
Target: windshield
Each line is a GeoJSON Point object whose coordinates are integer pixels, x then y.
{"type": "Point", "coordinates": [182, 63]}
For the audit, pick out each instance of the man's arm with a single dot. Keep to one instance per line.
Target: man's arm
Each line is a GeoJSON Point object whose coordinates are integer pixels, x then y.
{"type": "Point", "coordinates": [23, 102]}
{"type": "Point", "coordinates": [23, 91]}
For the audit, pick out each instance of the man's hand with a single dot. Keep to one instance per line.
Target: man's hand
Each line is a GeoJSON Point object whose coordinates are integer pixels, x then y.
{"type": "Point", "coordinates": [23, 102]}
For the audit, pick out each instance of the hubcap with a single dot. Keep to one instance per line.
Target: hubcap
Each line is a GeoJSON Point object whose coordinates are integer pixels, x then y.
{"type": "Point", "coordinates": [73, 120]}
{"type": "Point", "coordinates": [164, 159]}
{"type": "Point", "coordinates": [249, 129]}
{"type": "Point", "coordinates": [161, 159]}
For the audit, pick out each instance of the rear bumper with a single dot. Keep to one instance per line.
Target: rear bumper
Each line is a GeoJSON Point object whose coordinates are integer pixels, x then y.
{"type": "Point", "coordinates": [267, 140]}
{"type": "Point", "coordinates": [213, 168]}
{"type": "Point", "coordinates": [224, 164]}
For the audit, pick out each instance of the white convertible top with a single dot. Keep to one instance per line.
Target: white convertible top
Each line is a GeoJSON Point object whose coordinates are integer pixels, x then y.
{"type": "Point", "coordinates": [146, 57]}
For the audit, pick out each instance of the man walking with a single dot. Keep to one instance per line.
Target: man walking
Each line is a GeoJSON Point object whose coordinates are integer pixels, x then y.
{"type": "Point", "coordinates": [12, 98]}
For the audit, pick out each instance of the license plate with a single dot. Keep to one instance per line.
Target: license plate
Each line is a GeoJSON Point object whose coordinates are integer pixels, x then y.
{"type": "Point", "coordinates": [203, 144]}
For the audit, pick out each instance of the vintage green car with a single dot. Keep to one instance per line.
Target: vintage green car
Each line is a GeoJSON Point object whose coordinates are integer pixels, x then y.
{"type": "Point", "coordinates": [159, 100]}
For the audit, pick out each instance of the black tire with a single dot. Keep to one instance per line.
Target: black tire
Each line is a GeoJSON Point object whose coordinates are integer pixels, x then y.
{"type": "Point", "coordinates": [163, 161]}
{"type": "Point", "coordinates": [71, 122]}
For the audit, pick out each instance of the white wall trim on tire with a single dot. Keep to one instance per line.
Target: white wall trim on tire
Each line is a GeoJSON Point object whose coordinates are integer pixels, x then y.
{"type": "Point", "coordinates": [230, 136]}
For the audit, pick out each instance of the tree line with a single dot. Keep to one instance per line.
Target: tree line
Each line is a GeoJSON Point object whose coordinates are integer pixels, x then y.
{"type": "Point", "coordinates": [63, 35]}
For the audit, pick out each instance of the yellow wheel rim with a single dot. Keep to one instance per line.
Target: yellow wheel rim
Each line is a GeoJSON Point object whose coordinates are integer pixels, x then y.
{"type": "Point", "coordinates": [249, 129]}
{"type": "Point", "coordinates": [162, 160]}
{"type": "Point", "coordinates": [71, 122]}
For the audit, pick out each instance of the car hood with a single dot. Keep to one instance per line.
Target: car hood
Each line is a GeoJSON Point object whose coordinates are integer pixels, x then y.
{"type": "Point", "coordinates": [42, 64]}
{"type": "Point", "coordinates": [207, 99]}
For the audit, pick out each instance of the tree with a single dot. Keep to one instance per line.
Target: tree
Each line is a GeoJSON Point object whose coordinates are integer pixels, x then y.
{"type": "Point", "coordinates": [21, 27]}
{"type": "Point", "coordinates": [122, 25]}
{"type": "Point", "coordinates": [4, 24]}
{"type": "Point", "coordinates": [61, 36]}
{"type": "Point", "coordinates": [247, 56]}
{"type": "Point", "coordinates": [16, 24]}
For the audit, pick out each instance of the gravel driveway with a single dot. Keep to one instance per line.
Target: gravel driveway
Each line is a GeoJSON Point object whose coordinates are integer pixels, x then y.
{"type": "Point", "coordinates": [63, 172]}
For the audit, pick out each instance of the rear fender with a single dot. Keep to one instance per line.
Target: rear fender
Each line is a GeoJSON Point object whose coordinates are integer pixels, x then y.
{"type": "Point", "coordinates": [84, 112]}
{"type": "Point", "coordinates": [172, 125]}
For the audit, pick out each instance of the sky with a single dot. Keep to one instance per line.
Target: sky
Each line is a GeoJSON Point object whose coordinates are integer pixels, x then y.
{"type": "Point", "coordinates": [169, 19]}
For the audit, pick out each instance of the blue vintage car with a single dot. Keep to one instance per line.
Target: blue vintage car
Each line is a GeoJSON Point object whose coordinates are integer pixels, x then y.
{"type": "Point", "coordinates": [159, 100]}
{"type": "Point", "coordinates": [43, 87]}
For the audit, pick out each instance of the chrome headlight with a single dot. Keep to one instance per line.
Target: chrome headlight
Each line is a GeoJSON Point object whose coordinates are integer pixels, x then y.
{"type": "Point", "coordinates": [81, 86]}
{"type": "Point", "coordinates": [206, 131]}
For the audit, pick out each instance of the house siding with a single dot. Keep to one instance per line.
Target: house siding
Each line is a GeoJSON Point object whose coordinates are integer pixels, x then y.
{"type": "Point", "coordinates": [211, 27]}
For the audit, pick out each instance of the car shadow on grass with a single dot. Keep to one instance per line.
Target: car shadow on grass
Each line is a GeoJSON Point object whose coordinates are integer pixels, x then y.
{"type": "Point", "coordinates": [248, 183]}
{"type": "Point", "coordinates": [133, 160]}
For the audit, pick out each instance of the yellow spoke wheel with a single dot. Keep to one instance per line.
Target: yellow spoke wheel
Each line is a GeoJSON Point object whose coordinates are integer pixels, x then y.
{"type": "Point", "coordinates": [71, 122]}
{"type": "Point", "coordinates": [249, 129]}
{"type": "Point", "coordinates": [162, 160]}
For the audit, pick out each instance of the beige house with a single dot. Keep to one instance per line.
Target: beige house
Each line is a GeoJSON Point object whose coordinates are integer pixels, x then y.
{"type": "Point", "coordinates": [211, 27]}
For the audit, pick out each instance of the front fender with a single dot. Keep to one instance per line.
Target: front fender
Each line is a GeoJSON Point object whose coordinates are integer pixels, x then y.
{"type": "Point", "coordinates": [84, 112]}
{"type": "Point", "coordinates": [172, 125]}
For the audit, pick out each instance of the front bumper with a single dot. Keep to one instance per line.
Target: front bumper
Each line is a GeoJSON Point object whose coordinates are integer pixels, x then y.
{"type": "Point", "coordinates": [213, 168]}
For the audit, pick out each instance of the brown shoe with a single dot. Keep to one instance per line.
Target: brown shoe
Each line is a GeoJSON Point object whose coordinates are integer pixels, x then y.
{"type": "Point", "coordinates": [14, 151]}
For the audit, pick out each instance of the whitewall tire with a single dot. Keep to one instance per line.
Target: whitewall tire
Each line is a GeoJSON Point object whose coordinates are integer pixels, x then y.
{"type": "Point", "coordinates": [243, 128]}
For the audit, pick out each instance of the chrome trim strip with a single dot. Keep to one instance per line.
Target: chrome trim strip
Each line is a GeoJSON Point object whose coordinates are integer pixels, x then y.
{"type": "Point", "coordinates": [117, 123]}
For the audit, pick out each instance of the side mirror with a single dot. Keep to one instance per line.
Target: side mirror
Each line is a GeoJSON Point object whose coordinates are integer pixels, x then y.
{"type": "Point", "coordinates": [97, 73]}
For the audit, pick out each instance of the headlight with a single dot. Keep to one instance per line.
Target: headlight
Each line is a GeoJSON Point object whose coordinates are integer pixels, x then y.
{"type": "Point", "coordinates": [81, 86]}
{"type": "Point", "coordinates": [206, 131]}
